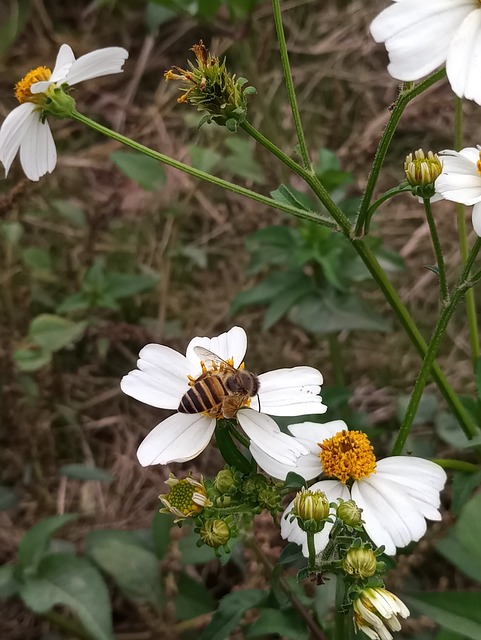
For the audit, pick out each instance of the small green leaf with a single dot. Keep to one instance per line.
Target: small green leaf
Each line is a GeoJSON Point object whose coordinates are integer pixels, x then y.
{"type": "Point", "coordinates": [287, 624]}
{"type": "Point", "coordinates": [124, 285]}
{"type": "Point", "coordinates": [34, 543]}
{"type": "Point", "coordinates": [8, 498]}
{"type": "Point", "coordinates": [230, 612]}
{"type": "Point", "coordinates": [463, 486]}
{"type": "Point", "coordinates": [75, 302]}
{"type": "Point", "coordinates": [230, 452]}
{"type": "Point", "coordinates": [193, 599]}
{"type": "Point", "coordinates": [134, 568]}
{"type": "Point", "coordinates": [29, 360]}
{"type": "Point", "coordinates": [457, 611]}
{"type": "Point", "coordinates": [161, 526]}
{"type": "Point", "coordinates": [294, 481]}
{"type": "Point", "coordinates": [448, 430]}
{"type": "Point", "coordinates": [204, 159]}
{"type": "Point", "coordinates": [190, 553]}
{"type": "Point", "coordinates": [85, 472]}
{"type": "Point", "coordinates": [54, 332]}
{"type": "Point", "coordinates": [147, 172]}
{"type": "Point", "coordinates": [468, 528]}
{"type": "Point", "coordinates": [288, 195]}
{"type": "Point", "coordinates": [8, 583]}
{"type": "Point", "coordinates": [295, 290]}
{"type": "Point", "coordinates": [74, 583]}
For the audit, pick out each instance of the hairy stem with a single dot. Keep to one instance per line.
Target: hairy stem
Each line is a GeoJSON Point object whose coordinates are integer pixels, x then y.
{"type": "Point", "coordinates": [443, 286]}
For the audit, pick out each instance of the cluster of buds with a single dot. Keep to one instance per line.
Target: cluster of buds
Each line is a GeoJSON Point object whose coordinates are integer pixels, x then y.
{"type": "Point", "coordinates": [209, 87]}
{"type": "Point", "coordinates": [422, 171]}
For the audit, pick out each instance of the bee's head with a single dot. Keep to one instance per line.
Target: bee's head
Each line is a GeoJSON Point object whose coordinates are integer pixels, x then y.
{"type": "Point", "coordinates": [244, 382]}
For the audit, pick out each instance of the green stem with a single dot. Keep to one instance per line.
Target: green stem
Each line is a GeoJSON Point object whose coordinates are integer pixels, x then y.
{"type": "Point", "coordinates": [341, 620]}
{"type": "Point", "coordinates": [431, 353]}
{"type": "Point", "coordinates": [281, 37]}
{"type": "Point", "coordinates": [458, 465]}
{"type": "Point", "coordinates": [385, 196]}
{"type": "Point", "coordinates": [443, 286]}
{"type": "Point", "coordinates": [401, 103]}
{"type": "Point", "coordinates": [311, 547]}
{"type": "Point", "coordinates": [203, 175]}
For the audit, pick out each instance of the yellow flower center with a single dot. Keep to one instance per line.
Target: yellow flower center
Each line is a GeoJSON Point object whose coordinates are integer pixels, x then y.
{"type": "Point", "coordinates": [182, 496]}
{"type": "Point", "coordinates": [478, 164]}
{"type": "Point", "coordinates": [348, 455]}
{"type": "Point", "coordinates": [22, 88]}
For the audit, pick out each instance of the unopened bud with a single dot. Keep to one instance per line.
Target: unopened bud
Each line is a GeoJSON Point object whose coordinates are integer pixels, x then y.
{"type": "Point", "coordinates": [215, 533]}
{"type": "Point", "coordinates": [224, 480]}
{"type": "Point", "coordinates": [349, 513]}
{"type": "Point", "coordinates": [311, 508]}
{"type": "Point", "coordinates": [361, 563]}
{"type": "Point", "coordinates": [422, 171]}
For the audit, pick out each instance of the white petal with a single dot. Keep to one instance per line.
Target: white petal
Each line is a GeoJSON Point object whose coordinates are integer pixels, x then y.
{"type": "Point", "coordinates": [232, 344]}
{"type": "Point", "coordinates": [290, 392]}
{"type": "Point", "coordinates": [460, 181]}
{"type": "Point", "coordinates": [13, 131]}
{"type": "Point", "coordinates": [291, 530]}
{"type": "Point", "coordinates": [417, 34]}
{"type": "Point", "coordinates": [265, 433]}
{"type": "Point", "coordinates": [41, 87]}
{"type": "Point", "coordinates": [38, 154]}
{"type": "Point", "coordinates": [317, 432]}
{"type": "Point", "coordinates": [64, 61]}
{"type": "Point", "coordinates": [428, 472]}
{"type": "Point", "coordinates": [390, 517]}
{"type": "Point", "coordinates": [145, 388]}
{"type": "Point", "coordinates": [463, 65]}
{"type": "Point", "coordinates": [308, 466]}
{"type": "Point", "coordinates": [477, 218]}
{"type": "Point", "coordinates": [177, 439]}
{"type": "Point", "coordinates": [95, 64]}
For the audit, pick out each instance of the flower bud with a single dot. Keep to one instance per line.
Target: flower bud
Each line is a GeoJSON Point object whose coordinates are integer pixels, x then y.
{"type": "Point", "coordinates": [349, 513]}
{"type": "Point", "coordinates": [215, 533]}
{"type": "Point", "coordinates": [376, 611]}
{"type": "Point", "coordinates": [186, 499]}
{"type": "Point", "coordinates": [224, 480]}
{"type": "Point", "coordinates": [311, 505]}
{"type": "Point", "coordinates": [422, 172]}
{"type": "Point", "coordinates": [361, 563]}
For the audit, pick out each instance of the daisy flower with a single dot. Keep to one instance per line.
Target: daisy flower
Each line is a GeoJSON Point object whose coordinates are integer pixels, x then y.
{"type": "Point", "coordinates": [460, 180]}
{"type": "Point", "coordinates": [164, 377]}
{"type": "Point", "coordinates": [376, 612]}
{"type": "Point", "coordinates": [396, 494]}
{"type": "Point", "coordinates": [39, 92]}
{"type": "Point", "coordinates": [422, 36]}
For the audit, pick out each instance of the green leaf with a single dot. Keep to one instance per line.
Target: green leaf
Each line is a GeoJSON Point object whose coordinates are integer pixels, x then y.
{"type": "Point", "coordinates": [241, 162]}
{"type": "Point", "coordinates": [294, 481]}
{"type": "Point", "coordinates": [8, 498]}
{"type": "Point", "coordinates": [156, 15]}
{"type": "Point", "coordinates": [72, 582]}
{"type": "Point", "coordinates": [71, 212]}
{"type": "Point", "coordinates": [29, 360]}
{"type": "Point", "coordinates": [8, 584]}
{"type": "Point", "coordinates": [468, 528]}
{"type": "Point", "coordinates": [477, 372]}
{"type": "Point", "coordinates": [230, 452]}
{"type": "Point", "coordinates": [38, 260]}
{"type": "Point", "coordinates": [12, 26]}
{"type": "Point", "coordinates": [288, 195]}
{"type": "Point", "coordinates": [190, 553]}
{"type": "Point", "coordinates": [161, 526]}
{"type": "Point", "coordinates": [463, 486]}
{"type": "Point", "coordinates": [204, 159]}
{"type": "Point", "coordinates": [54, 332]}
{"type": "Point", "coordinates": [287, 624]}
{"type": "Point", "coordinates": [34, 543]}
{"type": "Point", "coordinates": [230, 612]}
{"type": "Point", "coordinates": [75, 302]}
{"type": "Point", "coordinates": [124, 285]}
{"type": "Point", "coordinates": [267, 290]}
{"type": "Point", "coordinates": [448, 430]}
{"type": "Point", "coordinates": [425, 412]}
{"type": "Point", "coordinates": [147, 172]}
{"type": "Point", "coordinates": [134, 568]}
{"type": "Point", "coordinates": [11, 232]}
{"type": "Point", "coordinates": [193, 598]}
{"type": "Point", "coordinates": [332, 312]}
{"type": "Point", "coordinates": [450, 548]}
{"type": "Point", "coordinates": [85, 472]}
{"type": "Point", "coordinates": [457, 611]}
{"type": "Point", "coordinates": [296, 289]}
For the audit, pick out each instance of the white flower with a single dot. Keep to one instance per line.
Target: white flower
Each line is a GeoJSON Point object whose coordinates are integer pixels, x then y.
{"type": "Point", "coordinates": [376, 611]}
{"type": "Point", "coordinates": [164, 376]}
{"type": "Point", "coordinates": [25, 128]}
{"type": "Point", "coordinates": [460, 180]}
{"type": "Point", "coordinates": [396, 494]}
{"type": "Point", "coordinates": [421, 36]}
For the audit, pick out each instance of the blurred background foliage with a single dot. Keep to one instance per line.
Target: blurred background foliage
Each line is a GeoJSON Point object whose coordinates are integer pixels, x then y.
{"type": "Point", "coordinates": [112, 251]}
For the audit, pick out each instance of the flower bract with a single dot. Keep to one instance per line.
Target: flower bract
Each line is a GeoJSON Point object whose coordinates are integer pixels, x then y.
{"type": "Point", "coordinates": [42, 91]}
{"type": "Point", "coordinates": [396, 494]}
{"type": "Point", "coordinates": [164, 376]}
{"type": "Point", "coordinates": [460, 180]}
{"type": "Point", "coordinates": [422, 36]}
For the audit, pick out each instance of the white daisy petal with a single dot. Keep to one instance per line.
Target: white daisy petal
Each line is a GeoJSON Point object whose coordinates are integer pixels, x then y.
{"type": "Point", "coordinates": [290, 392]}
{"type": "Point", "coordinates": [14, 128]}
{"type": "Point", "coordinates": [265, 433]}
{"type": "Point", "coordinates": [307, 466]}
{"type": "Point", "coordinates": [65, 59]}
{"type": "Point", "coordinates": [177, 439]}
{"type": "Point", "coordinates": [463, 65]}
{"type": "Point", "coordinates": [95, 64]}
{"type": "Point", "coordinates": [232, 344]}
{"type": "Point", "coordinates": [38, 155]}
{"type": "Point", "coordinates": [143, 387]}
{"type": "Point", "coordinates": [476, 219]}
{"type": "Point", "coordinates": [317, 432]}
{"type": "Point", "coordinates": [413, 467]}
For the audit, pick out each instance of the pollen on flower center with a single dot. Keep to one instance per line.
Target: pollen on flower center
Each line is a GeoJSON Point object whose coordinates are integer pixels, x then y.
{"type": "Point", "coordinates": [478, 163]}
{"type": "Point", "coordinates": [22, 88]}
{"type": "Point", "coordinates": [348, 455]}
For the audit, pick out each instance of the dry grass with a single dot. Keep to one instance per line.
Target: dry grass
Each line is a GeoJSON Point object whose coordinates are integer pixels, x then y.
{"type": "Point", "coordinates": [344, 94]}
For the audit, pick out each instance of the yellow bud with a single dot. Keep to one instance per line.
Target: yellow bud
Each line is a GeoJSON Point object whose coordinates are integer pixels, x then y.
{"type": "Point", "coordinates": [311, 505]}
{"type": "Point", "coordinates": [361, 563]}
{"type": "Point", "coordinates": [421, 170]}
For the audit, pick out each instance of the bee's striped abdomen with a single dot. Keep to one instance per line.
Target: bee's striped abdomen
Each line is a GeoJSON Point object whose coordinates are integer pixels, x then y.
{"type": "Point", "coordinates": [204, 395]}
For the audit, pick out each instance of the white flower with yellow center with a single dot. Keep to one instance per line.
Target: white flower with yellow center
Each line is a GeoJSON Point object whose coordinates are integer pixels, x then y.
{"type": "Point", "coordinates": [164, 377]}
{"type": "Point", "coordinates": [26, 129]}
{"type": "Point", "coordinates": [460, 180]}
{"type": "Point", "coordinates": [396, 494]}
{"type": "Point", "coordinates": [422, 36]}
{"type": "Point", "coordinates": [376, 613]}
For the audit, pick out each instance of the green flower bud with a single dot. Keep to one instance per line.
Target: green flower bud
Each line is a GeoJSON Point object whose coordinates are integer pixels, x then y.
{"type": "Point", "coordinates": [224, 480]}
{"type": "Point", "coordinates": [350, 513]}
{"type": "Point", "coordinates": [422, 172]}
{"type": "Point", "coordinates": [215, 533]}
{"type": "Point", "coordinates": [361, 563]}
{"type": "Point", "coordinates": [311, 505]}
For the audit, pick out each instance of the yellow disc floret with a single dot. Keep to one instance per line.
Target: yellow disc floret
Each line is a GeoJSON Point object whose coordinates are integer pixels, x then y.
{"type": "Point", "coordinates": [348, 455]}
{"type": "Point", "coordinates": [22, 88]}
{"type": "Point", "coordinates": [186, 499]}
{"type": "Point", "coordinates": [478, 164]}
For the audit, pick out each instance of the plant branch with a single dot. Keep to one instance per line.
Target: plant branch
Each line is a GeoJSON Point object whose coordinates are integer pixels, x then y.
{"type": "Point", "coordinates": [443, 286]}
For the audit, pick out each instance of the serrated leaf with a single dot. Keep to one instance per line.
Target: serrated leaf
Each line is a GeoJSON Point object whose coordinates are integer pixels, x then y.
{"type": "Point", "coordinates": [147, 172]}
{"type": "Point", "coordinates": [74, 583]}
{"type": "Point", "coordinates": [34, 543]}
{"type": "Point", "coordinates": [85, 472]}
{"type": "Point", "coordinates": [230, 612]}
{"type": "Point", "coordinates": [457, 611]}
{"type": "Point", "coordinates": [193, 598]}
{"type": "Point", "coordinates": [134, 568]}
{"type": "Point", "coordinates": [54, 332]}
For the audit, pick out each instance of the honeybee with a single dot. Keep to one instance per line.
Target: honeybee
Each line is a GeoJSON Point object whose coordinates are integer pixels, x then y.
{"type": "Point", "coordinates": [221, 391]}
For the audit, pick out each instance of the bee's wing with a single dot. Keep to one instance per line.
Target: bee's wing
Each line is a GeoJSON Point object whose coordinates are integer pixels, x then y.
{"type": "Point", "coordinates": [209, 358]}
